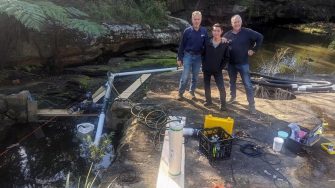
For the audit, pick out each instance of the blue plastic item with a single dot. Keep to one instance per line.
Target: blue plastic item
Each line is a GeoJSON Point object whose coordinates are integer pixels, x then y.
{"type": "Point", "coordinates": [282, 134]}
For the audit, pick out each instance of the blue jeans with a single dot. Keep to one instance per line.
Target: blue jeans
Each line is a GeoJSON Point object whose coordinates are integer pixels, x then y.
{"type": "Point", "coordinates": [243, 69]}
{"type": "Point", "coordinates": [191, 64]}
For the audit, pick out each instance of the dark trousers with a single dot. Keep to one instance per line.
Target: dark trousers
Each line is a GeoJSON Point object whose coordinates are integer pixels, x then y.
{"type": "Point", "coordinates": [243, 69]}
{"type": "Point", "coordinates": [219, 83]}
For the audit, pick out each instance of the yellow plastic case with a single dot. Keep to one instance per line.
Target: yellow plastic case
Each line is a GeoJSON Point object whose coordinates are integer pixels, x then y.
{"type": "Point", "coordinates": [324, 146]}
{"type": "Point", "coordinates": [226, 123]}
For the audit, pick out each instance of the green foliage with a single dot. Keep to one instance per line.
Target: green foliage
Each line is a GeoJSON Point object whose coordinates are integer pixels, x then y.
{"type": "Point", "coordinates": [152, 12]}
{"type": "Point", "coordinates": [36, 14]}
{"type": "Point", "coordinates": [88, 182]}
{"type": "Point", "coordinates": [285, 61]}
{"type": "Point", "coordinates": [97, 152]}
{"type": "Point", "coordinates": [29, 14]}
{"type": "Point", "coordinates": [85, 26]}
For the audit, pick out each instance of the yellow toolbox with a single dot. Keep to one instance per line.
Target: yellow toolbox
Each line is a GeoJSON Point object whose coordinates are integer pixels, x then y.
{"type": "Point", "coordinates": [226, 123]}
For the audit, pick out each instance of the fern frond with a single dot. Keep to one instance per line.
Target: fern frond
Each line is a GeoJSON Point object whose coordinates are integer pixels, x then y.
{"type": "Point", "coordinates": [36, 14]}
{"type": "Point", "coordinates": [75, 12]}
{"type": "Point", "coordinates": [88, 27]}
{"type": "Point", "coordinates": [30, 15]}
{"type": "Point", "coordinates": [52, 11]}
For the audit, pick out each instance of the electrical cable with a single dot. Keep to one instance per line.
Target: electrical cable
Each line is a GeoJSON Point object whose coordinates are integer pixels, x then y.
{"type": "Point", "coordinates": [151, 115]}
{"type": "Point", "coordinates": [251, 149]}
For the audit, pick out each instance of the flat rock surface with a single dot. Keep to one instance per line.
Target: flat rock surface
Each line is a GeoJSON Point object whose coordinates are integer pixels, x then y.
{"type": "Point", "coordinates": [138, 163]}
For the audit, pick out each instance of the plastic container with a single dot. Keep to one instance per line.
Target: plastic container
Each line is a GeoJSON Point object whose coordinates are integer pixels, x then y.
{"type": "Point", "coordinates": [226, 123]}
{"type": "Point", "coordinates": [84, 129]}
{"type": "Point", "coordinates": [283, 135]}
{"type": "Point", "coordinates": [277, 144]}
{"type": "Point", "coordinates": [215, 143]}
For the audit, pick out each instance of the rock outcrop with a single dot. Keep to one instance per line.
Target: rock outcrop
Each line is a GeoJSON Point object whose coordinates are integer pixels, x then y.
{"type": "Point", "coordinates": [69, 47]}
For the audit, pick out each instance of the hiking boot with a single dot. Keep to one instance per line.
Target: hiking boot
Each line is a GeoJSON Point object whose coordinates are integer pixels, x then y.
{"type": "Point", "coordinates": [231, 100]}
{"type": "Point", "coordinates": [223, 107]}
{"type": "Point", "coordinates": [193, 96]}
{"type": "Point", "coordinates": [208, 104]}
{"type": "Point", "coordinates": [180, 97]}
{"type": "Point", "coordinates": [252, 110]}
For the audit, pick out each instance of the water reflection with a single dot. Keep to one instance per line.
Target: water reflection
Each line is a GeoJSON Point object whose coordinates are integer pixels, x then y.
{"type": "Point", "coordinates": [304, 46]}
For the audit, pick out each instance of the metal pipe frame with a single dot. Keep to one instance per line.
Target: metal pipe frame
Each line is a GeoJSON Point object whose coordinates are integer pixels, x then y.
{"type": "Point", "coordinates": [107, 96]}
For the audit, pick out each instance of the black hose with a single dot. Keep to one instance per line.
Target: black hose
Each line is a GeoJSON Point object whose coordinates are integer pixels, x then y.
{"type": "Point", "coordinates": [288, 84]}
{"type": "Point", "coordinates": [264, 83]}
{"type": "Point", "coordinates": [285, 79]}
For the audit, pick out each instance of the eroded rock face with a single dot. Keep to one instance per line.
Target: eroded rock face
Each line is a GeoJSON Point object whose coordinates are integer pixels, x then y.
{"type": "Point", "coordinates": [73, 48]}
{"type": "Point", "coordinates": [126, 37]}
{"type": "Point", "coordinates": [257, 11]}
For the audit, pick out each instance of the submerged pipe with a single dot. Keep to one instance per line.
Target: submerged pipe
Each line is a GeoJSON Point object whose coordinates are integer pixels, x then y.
{"type": "Point", "coordinates": [107, 97]}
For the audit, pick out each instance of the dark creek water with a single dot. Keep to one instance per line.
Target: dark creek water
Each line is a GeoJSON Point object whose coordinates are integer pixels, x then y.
{"type": "Point", "coordinates": [44, 160]}
{"type": "Point", "coordinates": [305, 48]}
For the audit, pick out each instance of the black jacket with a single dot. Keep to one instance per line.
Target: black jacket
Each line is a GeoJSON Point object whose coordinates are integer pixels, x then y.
{"type": "Point", "coordinates": [215, 59]}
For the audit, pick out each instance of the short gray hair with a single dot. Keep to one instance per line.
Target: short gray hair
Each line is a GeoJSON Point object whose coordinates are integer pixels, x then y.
{"type": "Point", "coordinates": [196, 13]}
{"type": "Point", "coordinates": [236, 16]}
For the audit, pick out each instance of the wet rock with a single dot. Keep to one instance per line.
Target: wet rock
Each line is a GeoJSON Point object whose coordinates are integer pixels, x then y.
{"type": "Point", "coordinates": [73, 48]}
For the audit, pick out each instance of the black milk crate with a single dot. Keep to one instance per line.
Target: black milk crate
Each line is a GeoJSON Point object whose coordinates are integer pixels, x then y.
{"type": "Point", "coordinates": [215, 143]}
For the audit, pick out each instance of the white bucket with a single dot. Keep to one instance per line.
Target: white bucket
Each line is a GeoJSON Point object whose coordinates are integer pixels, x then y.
{"type": "Point", "coordinates": [84, 129]}
{"type": "Point", "coordinates": [277, 144]}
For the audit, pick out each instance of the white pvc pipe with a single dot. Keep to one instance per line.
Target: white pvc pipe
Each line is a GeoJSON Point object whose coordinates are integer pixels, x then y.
{"type": "Point", "coordinates": [103, 111]}
{"type": "Point", "coordinates": [99, 129]}
{"type": "Point", "coordinates": [144, 71]}
{"type": "Point", "coordinates": [175, 147]}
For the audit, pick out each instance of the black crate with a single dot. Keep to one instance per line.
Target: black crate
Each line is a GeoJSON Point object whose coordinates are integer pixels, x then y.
{"type": "Point", "coordinates": [299, 147]}
{"type": "Point", "coordinates": [215, 143]}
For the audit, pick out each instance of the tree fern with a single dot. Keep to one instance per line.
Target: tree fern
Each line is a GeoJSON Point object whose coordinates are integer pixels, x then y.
{"type": "Point", "coordinates": [30, 15]}
{"type": "Point", "coordinates": [85, 26]}
{"type": "Point", "coordinates": [35, 14]}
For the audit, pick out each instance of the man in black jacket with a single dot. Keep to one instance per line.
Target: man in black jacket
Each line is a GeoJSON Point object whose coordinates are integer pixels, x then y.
{"type": "Point", "coordinates": [216, 57]}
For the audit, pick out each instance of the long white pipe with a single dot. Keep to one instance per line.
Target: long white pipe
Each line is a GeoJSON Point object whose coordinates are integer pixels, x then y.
{"type": "Point", "coordinates": [144, 72]}
{"type": "Point", "coordinates": [108, 93]}
{"type": "Point", "coordinates": [103, 111]}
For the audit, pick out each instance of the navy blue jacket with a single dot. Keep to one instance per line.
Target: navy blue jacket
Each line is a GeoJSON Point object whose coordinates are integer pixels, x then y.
{"type": "Point", "coordinates": [215, 59]}
{"type": "Point", "coordinates": [192, 41]}
{"type": "Point", "coordinates": [240, 43]}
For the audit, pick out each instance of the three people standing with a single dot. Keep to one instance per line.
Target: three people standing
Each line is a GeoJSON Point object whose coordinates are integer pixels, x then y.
{"type": "Point", "coordinates": [243, 42]}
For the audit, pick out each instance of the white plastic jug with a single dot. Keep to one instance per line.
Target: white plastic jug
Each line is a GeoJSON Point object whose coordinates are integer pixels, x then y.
{"type": "Point", "coordinates": [277, 144]}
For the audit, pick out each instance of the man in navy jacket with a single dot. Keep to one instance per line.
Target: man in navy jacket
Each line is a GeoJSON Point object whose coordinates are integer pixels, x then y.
{"type": "Point", "coordinates": [216, 57]}
{"type": "Point", "coordinates": [243, 42]}
{"type": "Point", "coordinates": [190, 54]}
